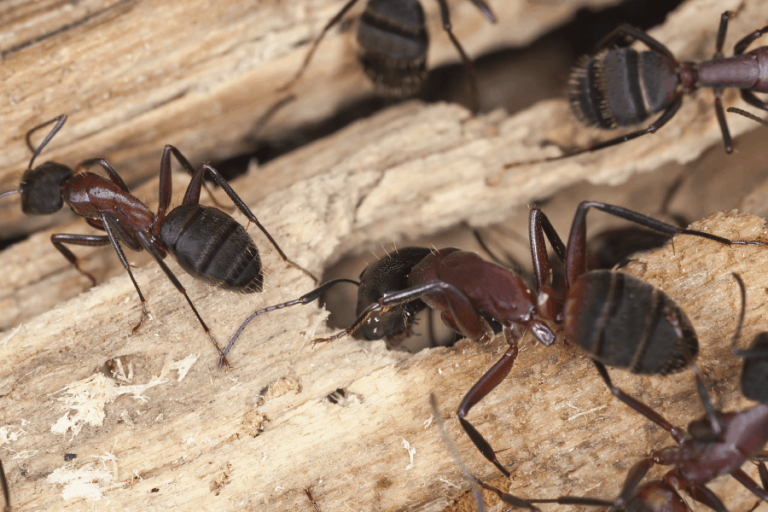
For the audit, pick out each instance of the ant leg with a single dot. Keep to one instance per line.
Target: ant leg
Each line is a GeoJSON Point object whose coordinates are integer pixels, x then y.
{"type": "Point", "coordinates": [240, 206]}
{"type": "Point", "coordinates": [304, 299]}
{"type": "Point", "coordinates": [465, 60]}
{"type": "Point", "coordinates": [59, 123]}
{"type": "Point", "coordinates": [480, 390]}
{"type": "Point", "coordinates": [59, 240]}
{"type": "Point", "coordinates": [742, 45]}
{"type": "Point", "coordinates": [721, 121]}
{"type": "Point", "coordinates": [721, 34]}
{"type": "Point", "coordinates": [485, 9]}
{"type": "Point", "coordinates": [699, 493]}
{"type": "Point", "coordinates": [510, 262]}
{"type": "Point", "coordinates": [634, 476]}
{"type": "Point", "coordinates": [538, 226]}
{"type": "Point", "coordinates": [674, 321]}
{"type": "Point", "coordinates": [668, 114]}
{"type": "Point", "coordinates": [85, 164]}
{"type": "Point", "coordinates": [758, 348]}
{"type": "Point", "coordinates": [575, 261]}
{"type": "Point", "coordinates": [744, 479]}
{"type": "Point", "coordinates": [719, 90]}
{"type": "Point", "coordinates": [308, 492]}
{"type": "Point", "coordinates": [470, 323]}
{"type": "Point", "coordinates": [146, 243]}
{"type": "Point", "coordinates": [6, 493]}
{"type": "Point", "coordinates": [639, 406]}
{"type": "Point", "coordinates": [507, 498]}
{"type": "Point", "coordinates": [753, 100]}
{"type": "Point", "coordinates": [109, 225]}
{"type": "Point", "coordinates": [165, 179]}
{"type": "Point", "coordinates": [455, 453]}
{"type": "Point", "coordinates": [635, 35]}
{"type": "Point", "coordinates": [316, 43]}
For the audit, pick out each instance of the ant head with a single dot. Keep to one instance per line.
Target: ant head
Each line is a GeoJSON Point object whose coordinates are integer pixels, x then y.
{"type": "Point", "coordinates": [41, 188]}
{"type": "Point", "coordinates": [387, 275]}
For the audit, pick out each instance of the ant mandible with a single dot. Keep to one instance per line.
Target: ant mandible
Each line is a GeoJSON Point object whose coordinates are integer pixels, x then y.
{"type": "Point", "coordinates": [615, 318]}
{"type": "Point", "coordinates": [393, 45]}
{"type": "Point", "coordinates": [623, 87]}
{"type": "Point", "coordinates": [188, 231]}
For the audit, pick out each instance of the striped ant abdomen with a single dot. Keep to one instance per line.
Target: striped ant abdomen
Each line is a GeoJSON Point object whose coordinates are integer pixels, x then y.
{"type": "Point", "coordinates": [621, 87]}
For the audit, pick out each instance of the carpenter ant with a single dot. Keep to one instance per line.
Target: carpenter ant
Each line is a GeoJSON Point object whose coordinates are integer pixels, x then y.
{"type": "Point", "coordinates": [393, 43]}
{"type": "Point", "coordinates": [6, 493]}
{"type": "Point", "coordinates": [187, 232]}
{"type": "Point", "coordinates": [623, 87]}
{"type": "Point", "coordinates": [615, 318]}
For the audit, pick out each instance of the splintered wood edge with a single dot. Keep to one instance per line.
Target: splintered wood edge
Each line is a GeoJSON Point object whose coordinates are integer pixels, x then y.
{"type": "Point", "coordinates": [168, 429]}
{"type": "Point", "coordinates": [199, 75]}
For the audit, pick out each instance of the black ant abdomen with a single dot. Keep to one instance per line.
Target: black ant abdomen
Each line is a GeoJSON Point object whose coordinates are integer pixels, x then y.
{"type": "Point", "coordinates": [230, 258]}
{"type": "Point", "coordinates": [607, 305]}
{"type": "Point", "coordinates": [621, 87]}
{"type": "Point", "coordinates": [393, 46]}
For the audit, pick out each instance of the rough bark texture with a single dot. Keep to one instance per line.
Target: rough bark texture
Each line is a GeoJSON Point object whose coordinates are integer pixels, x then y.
{"type": "Point", "coordinates": [155, 425]}
{"type": "Point", "coordinates": [134, 74]}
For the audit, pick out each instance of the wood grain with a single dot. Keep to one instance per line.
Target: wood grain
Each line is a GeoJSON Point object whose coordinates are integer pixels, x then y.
{"type": "Point", "coordinates": [136, 74]}
{"type": "Point", "coordinates": [225, 441]}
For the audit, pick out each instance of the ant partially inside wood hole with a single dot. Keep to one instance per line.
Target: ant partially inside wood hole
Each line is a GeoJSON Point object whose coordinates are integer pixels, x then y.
{"type": "Point", "coordinates": [393, 41]}
{"type": "Point", "coordinates": [624, 87]}
{"type": "Point", "coordinates": [189, 231]}
{"type": "Point", "coordinates": [616, 319]}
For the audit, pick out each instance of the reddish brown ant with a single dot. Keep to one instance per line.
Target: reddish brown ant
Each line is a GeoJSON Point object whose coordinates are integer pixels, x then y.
{"type": "Point", "coordinates": [615, 318]}
{"type": "Point", "coordinates": [623, 87]}
{"type": "Point", "coordinates": [187, 231]}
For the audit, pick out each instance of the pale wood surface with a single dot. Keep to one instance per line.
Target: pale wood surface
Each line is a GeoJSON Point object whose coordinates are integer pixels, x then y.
{"type": "Point", "coordinates": [194, 440]}
{"type": "Point", "coordinates": [136, 74]}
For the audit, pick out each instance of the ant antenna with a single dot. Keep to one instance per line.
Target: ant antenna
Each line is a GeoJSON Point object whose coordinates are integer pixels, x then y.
{"type": "Point", "coordinates": [304, 299]}
{"type": "Point", "coordinates": [746, 114]}
{"type": "Point", "coordinates": [737, 334]}
{"type": "Point", "coordinates": [753, 352]}
{"type": "Point", "coordinates": [476, 484]}
{"type": "Point", "coordinates": [455, 454]}
{"type": "Point", "coordinates": [2, 195]}
{"type": "Point", "coordinates": [59, 123]}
